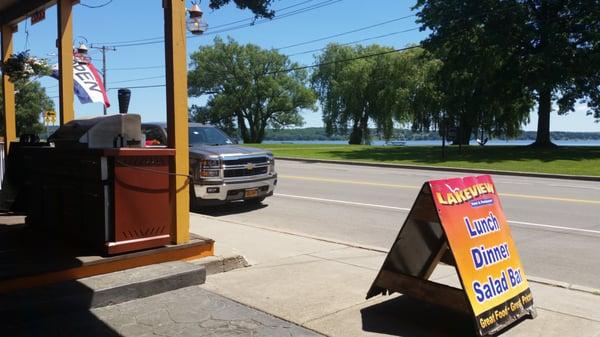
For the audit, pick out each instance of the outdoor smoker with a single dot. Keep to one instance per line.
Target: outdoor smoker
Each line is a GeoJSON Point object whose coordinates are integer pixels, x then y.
{"type": "Point", "coordinates": [98, 186]}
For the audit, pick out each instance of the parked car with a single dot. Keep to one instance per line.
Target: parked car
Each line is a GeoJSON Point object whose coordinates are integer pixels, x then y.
{"type": "Point", "coordinates": [222, 171]}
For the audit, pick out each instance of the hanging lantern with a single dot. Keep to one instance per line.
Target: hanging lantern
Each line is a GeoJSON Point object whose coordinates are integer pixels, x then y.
{"type": "Point", "coordinates": [80, 54]}
{"type": "Point", "coordinates": [195, 24]}
{"type": "Point", "coordinates": [82, 49]}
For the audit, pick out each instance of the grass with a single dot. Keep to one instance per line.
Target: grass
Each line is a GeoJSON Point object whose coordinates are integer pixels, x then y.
{"type": "Point", "coordinates": [574, 160]}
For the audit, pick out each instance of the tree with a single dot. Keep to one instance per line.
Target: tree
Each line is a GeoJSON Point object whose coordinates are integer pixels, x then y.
{"type": "Point", "coordinates": [353, 84]}
{"type": "Point", "coordinates": [251, 87]}
{"type": "Point", "coordinates": [30, 101]}
{"type": "Point", "coordinates": [550, 50]}
{"type": "Point", "coordinates": [260, 8]}
{"type": "Point", "coordinates": [206, 115]}
{"type": "Point", "coordinates": [361, 85]}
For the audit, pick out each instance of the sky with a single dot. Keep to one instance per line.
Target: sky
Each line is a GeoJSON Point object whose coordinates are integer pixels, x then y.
{"type": "Point", "coordinates": [296, 22]}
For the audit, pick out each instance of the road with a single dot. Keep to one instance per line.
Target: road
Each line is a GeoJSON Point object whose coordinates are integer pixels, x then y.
{"type": "Point", "coordinates": [555, 222]}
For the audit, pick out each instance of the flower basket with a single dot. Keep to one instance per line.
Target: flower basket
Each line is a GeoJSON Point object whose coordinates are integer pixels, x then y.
{"type": "Point", "coordinates": [21, 66]}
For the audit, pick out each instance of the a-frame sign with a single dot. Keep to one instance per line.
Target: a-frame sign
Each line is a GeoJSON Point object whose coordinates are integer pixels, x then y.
{"type": "Point", "coordinates": [460, 222]}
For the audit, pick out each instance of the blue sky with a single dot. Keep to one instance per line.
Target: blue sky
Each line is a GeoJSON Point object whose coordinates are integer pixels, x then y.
{"type": "Point", "coordinates": [129, 66]}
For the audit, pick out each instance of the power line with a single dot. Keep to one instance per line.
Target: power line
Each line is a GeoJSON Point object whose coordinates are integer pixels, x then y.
{"type": "Point", "coordinates": [252, 18]}
{"type": "Point", "coordinates": [292, 13]}
{"type": "Point", "coordinates": [296, 12]}
{"type": "Point", "coordinates": [345, 33]}
{"type": "Point", "coordinates": [218, 26]}
{"type": "Point", "coordinates": [305, 67]}
{"type": "Point", "coordinates": [358, 41]}
{"type": "Point", "coordinates": [139, 79]}
{"type": "Point", "coordinates": [138, 68]}
{"type": "Point", "coordinates": [342, 60]}
{"type": "Point", "coordinates": [142, 86]}
{"type": "Point", "coordinates": [304, 52]}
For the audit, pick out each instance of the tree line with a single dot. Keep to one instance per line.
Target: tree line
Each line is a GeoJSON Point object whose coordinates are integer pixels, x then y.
{"type": "Point", "coordinates": [319, 134]}
{"type": "Point", "coordinates": [483, 68]}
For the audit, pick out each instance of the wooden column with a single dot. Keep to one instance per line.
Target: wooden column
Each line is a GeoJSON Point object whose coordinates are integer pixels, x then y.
{"type": "Point", "coordinates": [8, 90]}
{"type": "Point", "coordinates": [65, 60]}
{"type": "Point", "coordinates": [177, 116]}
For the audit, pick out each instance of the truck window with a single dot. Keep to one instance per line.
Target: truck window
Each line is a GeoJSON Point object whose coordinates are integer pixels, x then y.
{"type": "Point", "coordinates": [153, 136]}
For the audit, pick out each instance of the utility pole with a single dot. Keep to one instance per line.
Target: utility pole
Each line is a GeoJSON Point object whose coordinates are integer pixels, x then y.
{"type": "Point", "coordinates": [104, 49]}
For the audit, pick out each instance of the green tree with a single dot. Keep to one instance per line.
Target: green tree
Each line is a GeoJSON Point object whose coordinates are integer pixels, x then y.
{"type": "Point", "coordinates": [251, 87]}
{"type": "Point", "coordinates": [30, 101]}
{"type": "Point", "coordinates": [260, 8]}
{"type": "Point", "coordinates": [359, 86]}
{"type": "Point", "coordinates": [545, 50]}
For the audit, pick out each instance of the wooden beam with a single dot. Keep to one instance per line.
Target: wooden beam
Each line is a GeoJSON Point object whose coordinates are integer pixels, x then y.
{"type": "Point", "coordinates": [65, 60]}
{"type": "Point", "coordinates": [8, 90]}
{"type": "Point", "coordinates": [17, 12]}
{"type": "Point", "coordinates": [177, 117]}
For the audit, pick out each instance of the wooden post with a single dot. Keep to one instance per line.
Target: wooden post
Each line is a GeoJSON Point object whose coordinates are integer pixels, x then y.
{"type": "Point", "coordinates": [177, 117]}
{"type": "Point", "coordinates": [8, 90]}
{"type": "Point", "coordinates": [65, 60]}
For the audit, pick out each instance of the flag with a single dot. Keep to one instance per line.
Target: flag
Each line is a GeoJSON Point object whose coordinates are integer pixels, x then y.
{"type": "Point", "coordinates": [88, 83]}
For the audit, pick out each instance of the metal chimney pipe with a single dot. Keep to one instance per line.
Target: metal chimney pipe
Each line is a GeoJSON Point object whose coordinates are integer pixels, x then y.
{"type": "Point", "coordinates": [124, 97]}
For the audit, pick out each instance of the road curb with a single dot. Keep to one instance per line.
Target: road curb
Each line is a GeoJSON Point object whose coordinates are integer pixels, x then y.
{"type": "Point", "coordinates": [443, 168]}
{"type": "Point", "coordinates": [564, 285]}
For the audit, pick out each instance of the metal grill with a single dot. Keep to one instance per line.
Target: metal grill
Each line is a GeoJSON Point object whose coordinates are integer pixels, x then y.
{"type": "Point", "coordinates": [244, 161]}
{"type": "Point", "coordinates": [230, 173]}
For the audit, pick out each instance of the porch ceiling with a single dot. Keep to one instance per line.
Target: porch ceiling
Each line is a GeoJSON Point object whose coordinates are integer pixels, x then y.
{"type": "Point", "coordinates": [13, 11]}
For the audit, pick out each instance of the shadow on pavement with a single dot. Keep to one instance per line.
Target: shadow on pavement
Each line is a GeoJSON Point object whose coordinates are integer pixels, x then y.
{"type": "Point", "coordinates": [229, 209]}
{"type": "Point", "coordinates": [57, 310]}
{"type": "Point", "coordinates": [406, 316]}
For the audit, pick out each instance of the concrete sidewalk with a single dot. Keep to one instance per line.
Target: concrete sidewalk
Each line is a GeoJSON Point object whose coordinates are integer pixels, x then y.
{"type": "Point", "coordinates": [322, 285]}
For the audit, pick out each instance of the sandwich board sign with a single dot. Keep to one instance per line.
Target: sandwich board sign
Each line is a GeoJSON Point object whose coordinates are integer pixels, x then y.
{"type": "Point", "coordinates": [460, 222]}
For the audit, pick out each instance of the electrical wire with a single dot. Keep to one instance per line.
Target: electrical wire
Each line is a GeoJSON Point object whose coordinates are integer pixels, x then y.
{"type": "Point", "coordinates": [158, 40]}
{"type": "Point", "coordinates": [142, 86]}
{"type": "Point", "coordinates": [358, 41]}
{"type": "Point", "coordinates": [305, 67]}
{"type": "Point", "coordinates": [346, 32]}
{"type": "Point", "coordinates": [253, 18]}
{"type": "Point", "coordinates": [137, 68]}
{"type": "Point", "coordinates": [314, 65]}
{"type": "Point", "coordinates": [213, 27]}
{"type": "Point", "coordinates": [138, 79]}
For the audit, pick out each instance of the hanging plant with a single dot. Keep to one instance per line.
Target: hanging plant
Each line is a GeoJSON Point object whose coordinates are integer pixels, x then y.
{"type": "Point", "coordinates": [21, 66]}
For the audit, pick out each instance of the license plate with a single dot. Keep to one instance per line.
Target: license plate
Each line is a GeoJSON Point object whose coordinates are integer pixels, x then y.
{"type": "Point", "coordinates": [251, 193]}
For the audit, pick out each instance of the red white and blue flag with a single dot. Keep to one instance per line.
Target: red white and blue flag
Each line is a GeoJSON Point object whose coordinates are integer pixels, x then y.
{"type": "Point", "coordinates": [88, 83]}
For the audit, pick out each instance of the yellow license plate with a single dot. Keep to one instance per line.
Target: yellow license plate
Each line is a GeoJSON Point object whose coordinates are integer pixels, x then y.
{"type": "Point", "coordinates": [251, 193]}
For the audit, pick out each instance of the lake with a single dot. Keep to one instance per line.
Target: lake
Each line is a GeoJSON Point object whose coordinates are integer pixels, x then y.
{"type": "Point", "coordinates": [439, 142]}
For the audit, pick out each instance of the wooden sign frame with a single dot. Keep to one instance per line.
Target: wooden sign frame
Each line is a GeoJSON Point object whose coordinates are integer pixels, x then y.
{"type": "Point", "coordinates": [420, 246]}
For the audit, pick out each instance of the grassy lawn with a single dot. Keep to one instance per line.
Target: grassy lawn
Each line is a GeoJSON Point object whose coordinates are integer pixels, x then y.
{"type": "Point", "coordinates": [563, 160]}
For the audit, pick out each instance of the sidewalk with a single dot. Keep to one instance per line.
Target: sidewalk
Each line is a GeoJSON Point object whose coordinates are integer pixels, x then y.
{"type": "Point", "coordinates": [322, 286]}
{"type": "Point", "coordinates": [187, 311]}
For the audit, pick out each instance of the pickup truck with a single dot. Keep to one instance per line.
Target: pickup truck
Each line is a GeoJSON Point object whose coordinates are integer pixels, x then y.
{"type": "Point", "coordinates": [221, 170]}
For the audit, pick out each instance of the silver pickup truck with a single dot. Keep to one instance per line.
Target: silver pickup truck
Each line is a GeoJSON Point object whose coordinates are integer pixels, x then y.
{"type": "Point", "coordinates": [222, 171]}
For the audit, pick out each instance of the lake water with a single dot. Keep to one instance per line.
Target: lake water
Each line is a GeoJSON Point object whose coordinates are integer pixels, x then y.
{"type": "Point", "coordinates": [439, 142]}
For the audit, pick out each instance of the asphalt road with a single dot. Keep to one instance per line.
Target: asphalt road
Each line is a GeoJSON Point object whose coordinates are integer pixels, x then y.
{"type": "Point", "coordinates": [555, 223]}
